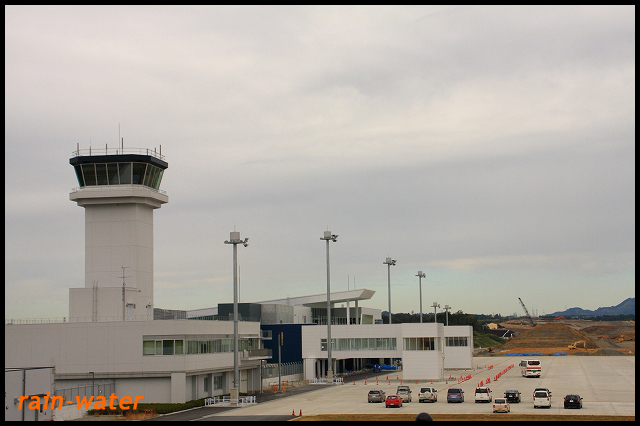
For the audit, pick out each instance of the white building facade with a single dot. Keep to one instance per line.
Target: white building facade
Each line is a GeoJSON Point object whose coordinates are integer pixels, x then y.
{"type": "Point", "coordinates": [164, 361]}
{"type": "Point", "coordinates": [423, 348]}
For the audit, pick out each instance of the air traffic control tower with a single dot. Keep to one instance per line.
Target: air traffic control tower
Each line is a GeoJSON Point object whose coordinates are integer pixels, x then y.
{"type": "Point", "coordinates": [119, 189]}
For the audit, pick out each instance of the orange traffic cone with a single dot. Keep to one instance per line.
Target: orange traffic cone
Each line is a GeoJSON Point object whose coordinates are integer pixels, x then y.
{"type": "Point", "coordinates": [301, 412]}
{"type": "Point", "coordinates": [293, 412]}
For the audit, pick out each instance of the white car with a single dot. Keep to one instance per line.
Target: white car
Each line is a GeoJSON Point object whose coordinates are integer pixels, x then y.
{"type": "Point", "coordinates": [427, 394]}
{"type": "Point", "coordinates": [541, 399]}
{"type": "Point", "coordinates": [501, 405]}
{"type": "Point", "coordinates": [483, 394]}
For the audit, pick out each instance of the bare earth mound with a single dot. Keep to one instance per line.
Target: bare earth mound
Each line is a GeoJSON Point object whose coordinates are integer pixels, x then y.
{"type": "Point", "coordinates": [551, 335]}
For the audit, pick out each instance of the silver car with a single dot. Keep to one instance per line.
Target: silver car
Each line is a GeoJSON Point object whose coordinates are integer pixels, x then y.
{"type": "Point", "coordinates": [376, 395]}
{"type": "Point", "coordinates": [405, 395]}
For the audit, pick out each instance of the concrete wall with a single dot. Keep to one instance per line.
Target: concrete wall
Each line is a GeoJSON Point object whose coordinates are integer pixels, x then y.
{"type": "Point", "coordinates": [459, 356]}
{"type": "Point", "coordinates": [113, 350]}
{"type": "Point", "coordinates": [19, 383]}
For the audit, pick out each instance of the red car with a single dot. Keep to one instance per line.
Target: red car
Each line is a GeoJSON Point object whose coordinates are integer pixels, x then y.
{"type": "Point", "coordinates": [393, 401]}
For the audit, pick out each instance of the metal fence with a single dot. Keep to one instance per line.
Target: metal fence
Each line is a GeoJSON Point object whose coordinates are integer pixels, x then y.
{"type": "Point", "coordinates": [99, 388]}
{"type": "Point", "coordinates": [288, 368]}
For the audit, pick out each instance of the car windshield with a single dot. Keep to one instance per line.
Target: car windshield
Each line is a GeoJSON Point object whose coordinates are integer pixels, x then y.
{"type": "Point", "coordinates": [374, 392]}
{"type": "Point", "coordinates": [392, 397]}
{"type": "Point", "coordinates": [455, 390]}
{"type": "Point", "coordinates": [541, 395]}
{"type": "Point", "coordinates": [500, 401]}
{"type": "Point", "coordinates": [511, 391]}
{"type": "Point", "coordinates": [479, 390]}
{"type": "Point", "coordinates": [534, 362]}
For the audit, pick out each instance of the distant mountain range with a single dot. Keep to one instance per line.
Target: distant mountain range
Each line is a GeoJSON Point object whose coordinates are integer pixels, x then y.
{"type": "Point", "coordinates": [627, 307]}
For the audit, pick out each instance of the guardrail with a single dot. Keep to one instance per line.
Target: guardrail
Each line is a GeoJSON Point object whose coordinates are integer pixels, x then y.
{"type": "Point", "coordinates": [226, 401]}
{"type": "Point", "coordinates": [118, 151]}
{"type": "Point", "coordinates": [325, 381]}
{"type": "Point", "coordinates": [124, 187]}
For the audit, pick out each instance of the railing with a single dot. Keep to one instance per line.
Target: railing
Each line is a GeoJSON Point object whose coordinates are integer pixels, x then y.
{"type": "Point", "coordinates": [118, 318]}
{"type": "Point", "coordinates": [99, 388]}
{"type": "Point", "coordinates": [118, 151]}
{"type": "Point", "coordinates": [226, 400]}
{"type": "Point", "coordinates": [325, 381]}
{"type": "Point", "coordinates": [126, 187]}
{"type": "Point", "coordinates": [257, 353]}
{"type": "Point", "coordinates": [288, 368]}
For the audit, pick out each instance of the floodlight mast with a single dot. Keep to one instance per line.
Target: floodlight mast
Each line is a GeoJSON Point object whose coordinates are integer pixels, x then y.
{"type": "Point", "coordinates": [235, 240]}
{"type": "Point", "coordinates": [389, 262]}
{"type": "Point", "coordinates": [435, 312]}
{"type": "Point", "coordinates": [420, 276]}
{"type": "Point", "coordinates": [446, 309]}
{"type": "Point", "coordinates": [328, 236]}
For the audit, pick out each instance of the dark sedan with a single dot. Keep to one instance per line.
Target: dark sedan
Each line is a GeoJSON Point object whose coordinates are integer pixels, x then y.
{"type": "Point", "coordinates": [572, 401]}
{"type": "Point", "coordinates": [376, 395]}
{"type": "Point", "coordinates": [512, 395]}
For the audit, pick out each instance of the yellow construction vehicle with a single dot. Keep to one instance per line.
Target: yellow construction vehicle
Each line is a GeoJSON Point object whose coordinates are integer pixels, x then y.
{"type": "Point", "coordinates": [578, 344]}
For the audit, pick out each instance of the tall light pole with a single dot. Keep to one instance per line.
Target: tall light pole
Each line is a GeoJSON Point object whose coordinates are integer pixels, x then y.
{"type": "Point", "coordinates": [328, 236]}
{"type": "Point", "coordinates": [389, 263]}
{"type": "Point", "coordinates": [420, 276]}
{"type": "Point", "coordinates": [446, 309]}
{"type": "Point", "coordinates": [235, 240]}
{"type": "Point", "coordinates": [435, 312]}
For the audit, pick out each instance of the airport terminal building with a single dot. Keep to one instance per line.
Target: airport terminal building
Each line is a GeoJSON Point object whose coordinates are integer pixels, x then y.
{"type": "Point", "coordinates": [116, 341]}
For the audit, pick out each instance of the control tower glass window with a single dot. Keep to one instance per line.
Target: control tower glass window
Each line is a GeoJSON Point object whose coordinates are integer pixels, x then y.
{"type": "Point", "coordinates": [89, 172]}
{"type": "Point", "coordinates": [138, 173]}
{"type": "Point", "coordinates": [125, 173]}
{"type": "Point", "coordinates": [119, 174]}
{"type": "Point", "coordinates": [112, 174]}
{"type": "Point", "coordinates": [101, 174]}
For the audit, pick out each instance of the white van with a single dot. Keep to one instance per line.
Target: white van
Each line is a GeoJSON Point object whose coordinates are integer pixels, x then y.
{"type": "Point", "coordinates": [530, 367]}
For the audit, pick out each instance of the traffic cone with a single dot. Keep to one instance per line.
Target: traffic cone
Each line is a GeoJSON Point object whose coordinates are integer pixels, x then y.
{"type": "Point", "coordinates": [293, 412]}
{"type": "Point", "coordinates": [354, 382]}
{"type": "Point", "coordinates": [301, 412]}
{"type": "Point", "coordinates": [387, 377]}
{"type": "Point", "coordinates": [400, 380]}
{"type": "Point", "coordinates": [416, 381]}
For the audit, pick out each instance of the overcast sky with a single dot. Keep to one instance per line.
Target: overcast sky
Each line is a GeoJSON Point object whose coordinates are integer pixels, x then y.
{"type": "Point", "coordinates": [492, 148]}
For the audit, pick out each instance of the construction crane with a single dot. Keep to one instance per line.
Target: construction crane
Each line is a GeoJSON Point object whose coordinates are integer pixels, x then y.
{"type": "Point", "coordinates": [527, 312]}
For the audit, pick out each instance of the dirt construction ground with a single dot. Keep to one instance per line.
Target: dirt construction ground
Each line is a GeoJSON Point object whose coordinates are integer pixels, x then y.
{"type": "Point", "coordinates": [601, 338]}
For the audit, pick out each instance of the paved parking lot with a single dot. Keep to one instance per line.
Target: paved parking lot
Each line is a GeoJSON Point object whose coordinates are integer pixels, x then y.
{"type": "Point", "coordinates": [607, 385]}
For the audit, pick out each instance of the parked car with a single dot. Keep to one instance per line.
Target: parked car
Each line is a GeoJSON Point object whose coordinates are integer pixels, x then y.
{"type": "Point", "coordinates": [404, 394]}
{"type": "Point", "coordinates": [542, 389]}
{"type": "Point", "coordinates": [455, 395]}
{"type": "Point", "coordinates": [501, 405]}
{"type": "Point", "coordinates": [541, 399]}
{"type": "Point", "coordinates": [512, 395]}
{"type": "Point", "coordinates": [393, 401]}
{"type": "Point", "coordinates": [376, 395]}
{"type": "Point", "coordinates": [483, 393]}
{"type": "Point", "coordinates": [428, 394]}
{"type": "Point", "coordinates": [403, 387]}
{"type": "Point", "coordinates": [572, 401]}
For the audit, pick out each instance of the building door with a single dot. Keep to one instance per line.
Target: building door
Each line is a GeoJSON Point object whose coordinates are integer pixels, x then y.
{"type": "Point", "coordinates": [130, 312]}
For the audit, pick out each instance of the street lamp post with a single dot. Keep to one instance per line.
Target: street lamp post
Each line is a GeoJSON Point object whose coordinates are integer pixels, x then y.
{"type": "Point", "coordinates": [389, 262]}
{"type": "Point", "coordinates": [420, 276]}
{"type": "Point", "coordinates": [446, 309]}
{"type": "Point", "coordinates": [235, 240]}
{"type": "Point", "coordinates": [328, 236]}
{"type": "Point", "coordinates": [435, 312]}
